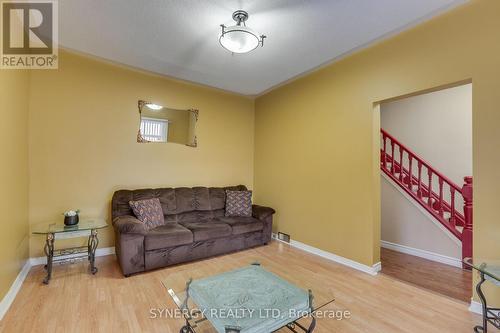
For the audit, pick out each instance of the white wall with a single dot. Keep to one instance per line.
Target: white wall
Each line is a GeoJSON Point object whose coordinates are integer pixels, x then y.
{"type": "Point", "coordinates": [437, 127]}
{"type": "Point", "coordinates": [403, 223]}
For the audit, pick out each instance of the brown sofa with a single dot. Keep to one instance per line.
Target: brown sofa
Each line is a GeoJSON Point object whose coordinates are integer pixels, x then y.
{"type": "Point", "coordinates": [195, 227]}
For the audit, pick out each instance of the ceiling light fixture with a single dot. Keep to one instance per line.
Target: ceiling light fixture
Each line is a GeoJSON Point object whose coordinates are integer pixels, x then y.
{"type": "Point", "coordinates": [238, 38]}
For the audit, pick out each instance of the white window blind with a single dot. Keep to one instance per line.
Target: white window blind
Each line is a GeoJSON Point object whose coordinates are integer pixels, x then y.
{"type": "Point", "coordinates": [154, 130]}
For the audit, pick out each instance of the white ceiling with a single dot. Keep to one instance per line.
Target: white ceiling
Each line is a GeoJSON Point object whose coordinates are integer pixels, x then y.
{"type": "Point", "coordinates": [179, 38]}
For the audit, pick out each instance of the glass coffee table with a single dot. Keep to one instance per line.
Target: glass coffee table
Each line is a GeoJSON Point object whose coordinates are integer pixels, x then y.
{"type": "Point", "coordinates": [85, 228]}
{"type": "Point", "coordinates": [248, 299]}
{"type": "Point", "coordinates": [489, 270]}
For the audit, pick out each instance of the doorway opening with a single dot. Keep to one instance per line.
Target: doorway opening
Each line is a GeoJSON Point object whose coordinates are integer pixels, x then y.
{"type": "Point", "coordinates": [426, 189]}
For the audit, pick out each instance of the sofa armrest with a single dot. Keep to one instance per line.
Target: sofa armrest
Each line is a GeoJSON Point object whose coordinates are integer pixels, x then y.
{"type": "Point", "coordinates": [127, 224]}
{"type": "Point", "coordinates": [261, 212]}
{"type": "Point", "coordinates": [264, 214]}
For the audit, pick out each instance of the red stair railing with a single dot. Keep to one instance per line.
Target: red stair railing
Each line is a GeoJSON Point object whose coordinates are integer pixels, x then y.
{"type": "Point", "coordinates": [450, 204]}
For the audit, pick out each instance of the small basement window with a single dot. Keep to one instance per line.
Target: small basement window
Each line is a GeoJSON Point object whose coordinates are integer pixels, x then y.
{"type": "Point", "coordinates": [154, 130]}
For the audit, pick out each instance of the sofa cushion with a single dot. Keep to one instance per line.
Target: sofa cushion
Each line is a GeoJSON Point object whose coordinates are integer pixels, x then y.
{"type": "Point", "coordinates": [217, 198]}
{"type": "Point", "coordinates": [208, 229]}
{"type": "Point", "coordinates": [184, 198]}
{"type": "Point", "coordinates": [239, 203]}
{"type": "Point", "coordinates": [165, 195]}
{"type": "Point", "coordinates": [196, 216]}
{"type": "Point", "coordinates": [242, 225]}
{"type": "Point", "coordinates": [121, 199]}
{"type": "Point", "coordinates": [168, 235]}
{"type": "Point", "coordinates": [149, 212]}
{"type": "Point", "coordinates": [120, 203]}
{"type": "Point", "coordinates": [174, 200]}
{"type": "Point", "coordinates": [167, 199]}
{"type": "Point", "coordinates": [201, 198]}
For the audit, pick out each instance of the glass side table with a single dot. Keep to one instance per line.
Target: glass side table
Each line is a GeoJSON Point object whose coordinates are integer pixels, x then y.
{"type": "Point", "coordinates": [489, 270]}
{"type": "Point", "coordinates": [85, 228]}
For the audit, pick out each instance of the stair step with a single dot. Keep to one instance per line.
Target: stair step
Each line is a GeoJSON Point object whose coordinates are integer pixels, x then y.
{"type": "Point", "coordinates": [459, 228]}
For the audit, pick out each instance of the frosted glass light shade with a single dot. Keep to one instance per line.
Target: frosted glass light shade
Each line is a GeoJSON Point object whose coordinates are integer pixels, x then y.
{"type": "Point", "coordinates": [239, 39]}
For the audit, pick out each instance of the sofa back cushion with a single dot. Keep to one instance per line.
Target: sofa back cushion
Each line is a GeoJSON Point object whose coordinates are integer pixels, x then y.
{"type": "Point", "coordinates": [175, 201]}
{"type": "Point", "coordinates": [149, 212]}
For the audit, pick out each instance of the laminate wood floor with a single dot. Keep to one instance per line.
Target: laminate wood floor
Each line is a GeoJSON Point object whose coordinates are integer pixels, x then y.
{"type": "Point", "coordinates": [440, 278]}
{"type": "Point", "coordinates": [76, 301]}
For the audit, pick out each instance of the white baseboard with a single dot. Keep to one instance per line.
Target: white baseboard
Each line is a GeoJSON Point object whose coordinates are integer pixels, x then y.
{"type": "Point", "coordinates": [376, 268]}
{"type": "Point", "coordinates": [476, 307]}
{"type": "Point", "coordinates": [16, 285]}
{"type": "Point", "coordinates": [14, 289]}
{"type": "Point", "coordinates": [372, 270]}
{"type": "Point", "coordinates": [456, 262]}
{"type": "Point", "coordinates": [105, 251]}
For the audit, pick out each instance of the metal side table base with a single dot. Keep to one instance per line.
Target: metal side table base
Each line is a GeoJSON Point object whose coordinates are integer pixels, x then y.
{"type": "Point", "coordinates": [49, 252]}
{"type": "Point", "coordinates": [92, 246]}
{"type": "Point", "coordinates": [489, 315]}
{"type": "Point", "coordinates": [85, 228]}
{"type": "Point", "coordinates": [488, 270]}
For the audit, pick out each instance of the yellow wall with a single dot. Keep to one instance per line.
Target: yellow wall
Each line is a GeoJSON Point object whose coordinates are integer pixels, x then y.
{"type": "Point", "coordinates": [83, 126]}
{"type": "Point", "coordinates": [14, 90]}
{"type": "Point", "coordinates": [316, 138]}
{"type": "Point", "coordinates": [315, 160]}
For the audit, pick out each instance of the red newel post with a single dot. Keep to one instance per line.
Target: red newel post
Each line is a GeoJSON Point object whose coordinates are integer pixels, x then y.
{"type": "Point", "coordinates": [467, 232]}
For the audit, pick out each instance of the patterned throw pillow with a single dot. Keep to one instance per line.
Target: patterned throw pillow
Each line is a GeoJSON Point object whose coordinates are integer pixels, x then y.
{"type": "Point", "coordinates": [148, 212]}
{"type": "Point", "coordinates": [238, 203]}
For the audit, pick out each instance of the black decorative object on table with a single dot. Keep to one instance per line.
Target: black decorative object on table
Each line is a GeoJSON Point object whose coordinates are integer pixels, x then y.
{"type": "Point", "coordinates": [71, 217]}
{"type": "Point", "coordinates": [71, 220]}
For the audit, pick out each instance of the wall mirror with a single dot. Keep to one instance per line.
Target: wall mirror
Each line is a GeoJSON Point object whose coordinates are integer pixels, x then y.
{"type": "Point", "coordinates": [159, 124]}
